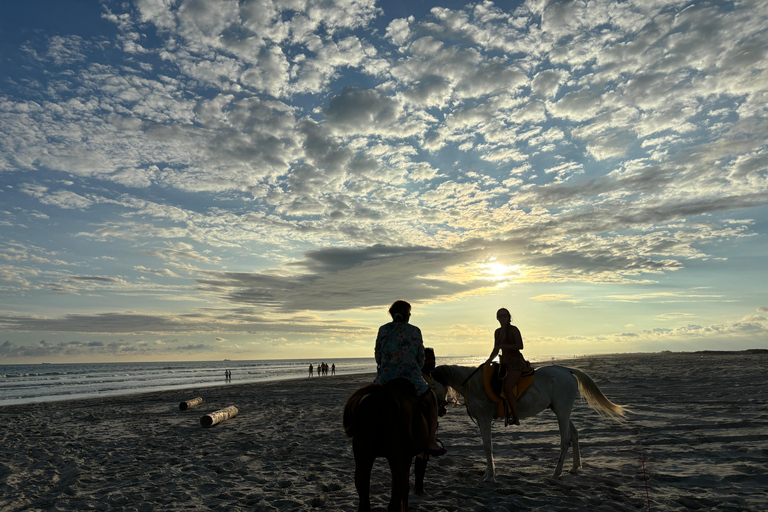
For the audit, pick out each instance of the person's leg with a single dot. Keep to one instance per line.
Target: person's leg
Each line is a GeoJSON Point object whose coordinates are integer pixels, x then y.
{"type": "Point", "coordinates": [429, 398]}
{"type": "Point", "coordinates": [510, 381]}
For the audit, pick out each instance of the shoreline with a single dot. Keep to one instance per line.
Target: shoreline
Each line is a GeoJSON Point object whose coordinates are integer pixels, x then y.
{"type": "Point", "coordinates": [129, 392]}
{"type": "Point", "coordinates": [103, 394]}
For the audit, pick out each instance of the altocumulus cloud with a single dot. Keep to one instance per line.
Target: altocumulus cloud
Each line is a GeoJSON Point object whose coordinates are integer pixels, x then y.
{"type": "Point", "coordinates": [275, 158]}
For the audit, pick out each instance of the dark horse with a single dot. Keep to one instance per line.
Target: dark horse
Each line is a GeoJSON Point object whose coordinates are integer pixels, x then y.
{"type": "Point", "coordinates": [385, 420]}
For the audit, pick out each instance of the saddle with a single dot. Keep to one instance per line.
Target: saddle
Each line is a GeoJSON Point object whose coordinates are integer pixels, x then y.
{"type": "Point", "coordinates": [493, 375]}
{"type": "Point", "coordinates": [404, 389]}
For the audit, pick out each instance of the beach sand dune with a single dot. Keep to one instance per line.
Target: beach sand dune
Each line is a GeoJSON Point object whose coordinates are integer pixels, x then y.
{"type": "Point", "coordinates": [700, 424]}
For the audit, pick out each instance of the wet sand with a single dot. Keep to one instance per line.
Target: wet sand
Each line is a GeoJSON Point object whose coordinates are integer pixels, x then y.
{"type": "Point", "coordinates": [700, 423]}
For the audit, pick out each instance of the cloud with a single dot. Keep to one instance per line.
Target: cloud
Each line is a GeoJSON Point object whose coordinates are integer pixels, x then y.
{"type": "Point", "coordinates": [546, 83]}
{"type": "Point", "coordinates": [66, 50]}
{"type": "Point", "coordinates": [556, 297]}
{"type": "Point", "coordinates": [341, 279]}
{"type": "Point", "coordinates": [158, 272]}
{"type": "Point", "coordinates": [184, 251]}
{"type": "Point", "coordinates": [320, 156]}
{"type": "Point", "coordinates": [61, 198]}
{"type": "Point", "coordinates": [356, 111]}
{"type": "Point", "coordinates": [398, 30]}
{"type": "Point", "coordinates": [75, 349]}
{"type": "Point", "coordinates": [100, 323]}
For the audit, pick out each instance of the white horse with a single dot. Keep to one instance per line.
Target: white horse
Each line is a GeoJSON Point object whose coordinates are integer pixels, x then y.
{"type": "Point", "coordinates": [555, 387]}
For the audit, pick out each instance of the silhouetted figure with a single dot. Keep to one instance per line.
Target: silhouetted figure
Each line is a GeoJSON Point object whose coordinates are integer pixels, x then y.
{"type": "Point", "coordinates": [508, 339]}
{"type": "Point", "coordinates": [399, 353]}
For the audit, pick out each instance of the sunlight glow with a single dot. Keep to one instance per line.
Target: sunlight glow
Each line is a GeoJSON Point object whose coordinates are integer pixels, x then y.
{"type": "Point", "coordinates": [496, 271]}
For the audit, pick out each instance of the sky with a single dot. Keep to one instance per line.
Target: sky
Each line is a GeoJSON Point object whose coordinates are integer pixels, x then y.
{"type": "Point", "coordinates": [206, 180]}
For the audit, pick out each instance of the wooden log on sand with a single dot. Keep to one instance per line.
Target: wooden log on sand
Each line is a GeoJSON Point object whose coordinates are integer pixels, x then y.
{"type": "Point", "coordinates": [217, 417]}
{"type": "Point", "coordinates": [190, 403]}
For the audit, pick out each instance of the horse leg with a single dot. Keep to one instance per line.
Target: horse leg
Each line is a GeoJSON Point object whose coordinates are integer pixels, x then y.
{"type": "Point", "coordinates": [576, 451]}
{"type": "Point", "coordinates": [421, 470]}
{"type": "Point", "coordinates": [363, 467]}
{"type": "Point", "coordinates": [563, 421]}
{"type": "Point", "coordinates": [401, 472]}
{"type": "Point", "coordinates": [485, 433]}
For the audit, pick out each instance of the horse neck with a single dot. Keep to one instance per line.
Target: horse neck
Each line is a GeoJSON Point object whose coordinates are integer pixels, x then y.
{"type": "Point", "coordinates": [455, 376]}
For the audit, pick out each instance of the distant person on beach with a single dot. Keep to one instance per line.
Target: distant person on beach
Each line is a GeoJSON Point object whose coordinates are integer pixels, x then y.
{"type": "Point", "coordinates": [333, 368]}
{"type": "Point", "coordinates": [508, 339]}
{"type": "Point", "coordinates": [311, 370]}
{"type": "Point", "coordinates": [399, 353]}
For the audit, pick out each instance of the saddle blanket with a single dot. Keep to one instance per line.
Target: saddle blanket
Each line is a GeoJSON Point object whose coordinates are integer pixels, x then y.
{"type": "Point", "coordinates": [493, 388]}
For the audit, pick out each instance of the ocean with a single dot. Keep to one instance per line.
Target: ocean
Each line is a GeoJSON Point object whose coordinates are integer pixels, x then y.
{"type": "Point", "coordinates": [29, 383]}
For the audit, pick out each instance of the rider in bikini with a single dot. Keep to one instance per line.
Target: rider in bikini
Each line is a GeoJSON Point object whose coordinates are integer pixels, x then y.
{"type": "Point", "coordinates": [508, 339]}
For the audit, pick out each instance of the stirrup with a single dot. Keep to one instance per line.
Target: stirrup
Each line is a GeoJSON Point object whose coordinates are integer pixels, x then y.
{"type": "Point", "coordinates": [509, 417]}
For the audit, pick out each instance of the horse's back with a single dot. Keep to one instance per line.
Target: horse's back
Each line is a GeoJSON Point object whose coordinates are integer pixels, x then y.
{"type": "Point", "coordinates": [385, 413]}
{"type": "Point", "coordinates": [368, 405]}
{"type": "Point", "coordinates": [553, 377]}
{"type": "Point", "coordinates": [554, 373]}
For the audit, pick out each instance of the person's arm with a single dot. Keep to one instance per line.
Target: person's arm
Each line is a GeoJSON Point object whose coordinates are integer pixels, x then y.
{"type": "Point", "coordinates": [379, 344]}
{"type": "Point", "coordinates": [496, 347]}
{"type": "Point", "coordinates": [517, 338]}
{"type": "Point", "coordinates": [419, 348]}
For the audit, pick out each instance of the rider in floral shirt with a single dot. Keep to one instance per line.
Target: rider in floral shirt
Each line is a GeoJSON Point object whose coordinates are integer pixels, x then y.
{"type": "Point", "coordinates": [399, 353]}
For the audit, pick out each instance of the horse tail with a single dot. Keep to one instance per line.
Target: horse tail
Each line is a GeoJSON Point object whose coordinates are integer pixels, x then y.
{"type": "Point", "coordinates": [363, 407]}
{"type": "Point", "coordinates": [596, 399]}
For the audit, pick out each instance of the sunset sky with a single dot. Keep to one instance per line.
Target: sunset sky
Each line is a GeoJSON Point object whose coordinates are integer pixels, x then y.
{"type": "Point", "coordinates": [200, 180]}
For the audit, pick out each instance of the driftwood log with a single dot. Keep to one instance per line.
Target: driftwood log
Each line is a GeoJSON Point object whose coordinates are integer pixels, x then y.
{"type": "Point", "coordinates": [190, 403]}
{"type": "Point", "coordinates": [217, 417]}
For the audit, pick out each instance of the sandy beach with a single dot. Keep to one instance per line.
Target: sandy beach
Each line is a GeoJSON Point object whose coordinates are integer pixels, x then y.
{"type": "Point", "coordinates": [698, 433]}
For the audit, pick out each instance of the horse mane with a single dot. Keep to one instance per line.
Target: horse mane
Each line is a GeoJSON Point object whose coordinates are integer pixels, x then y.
{"type": "Point", "coordinates": [452, 375]}
{"type": "Point", "coordinates": [459, 378]}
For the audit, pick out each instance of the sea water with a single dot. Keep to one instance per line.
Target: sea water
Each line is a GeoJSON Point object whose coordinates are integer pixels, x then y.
{"type": "Point", "coordinates": [27, 383]}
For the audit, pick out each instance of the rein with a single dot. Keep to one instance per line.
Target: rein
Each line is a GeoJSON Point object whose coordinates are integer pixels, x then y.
{"type": "Point", "coordinates": [467, 380]}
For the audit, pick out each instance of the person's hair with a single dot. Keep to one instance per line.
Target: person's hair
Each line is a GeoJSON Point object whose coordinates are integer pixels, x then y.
{"type": "Point", "coordinates": [429, 351]}
{"type": "Point", "coordinates": [400, 308]}
{"type": "Point", "coordinates": [505, 310]}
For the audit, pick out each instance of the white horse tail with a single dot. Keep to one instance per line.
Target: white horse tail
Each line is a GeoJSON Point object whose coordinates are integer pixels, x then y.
{"type": "Point", "coordinates": [596, 399]}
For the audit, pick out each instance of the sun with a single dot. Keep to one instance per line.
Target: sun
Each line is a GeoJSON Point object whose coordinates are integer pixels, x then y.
{"type": "Point", "coordinates": [496, 271]}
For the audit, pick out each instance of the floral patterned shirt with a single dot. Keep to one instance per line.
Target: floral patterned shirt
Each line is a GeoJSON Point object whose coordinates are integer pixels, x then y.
{"type": "Point", "coordinates": [400, 354]}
